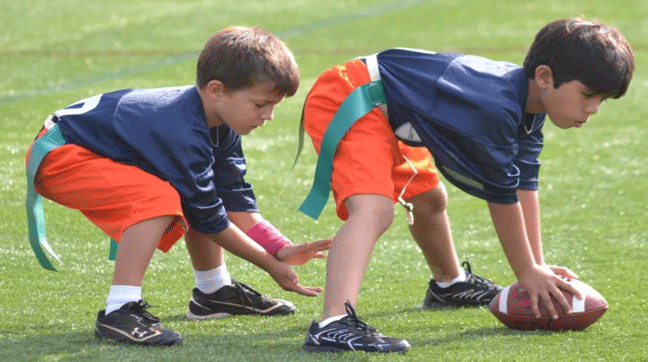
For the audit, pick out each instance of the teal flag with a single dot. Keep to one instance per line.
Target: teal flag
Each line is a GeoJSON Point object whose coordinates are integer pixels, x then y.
{"type": "Point", "coordinates": [34, 202]}
{"type": "Point", "coordinates": [360, 102]}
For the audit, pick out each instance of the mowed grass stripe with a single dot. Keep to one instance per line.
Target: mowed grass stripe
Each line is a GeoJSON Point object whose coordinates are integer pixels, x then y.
{"type": "Point", "coordinates": [370, 11]}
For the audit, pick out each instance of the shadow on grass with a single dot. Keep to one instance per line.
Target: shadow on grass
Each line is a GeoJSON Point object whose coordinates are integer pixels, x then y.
{"type": "Point", "coordinates": [68, 345]}
{"type": "Point", "coordinates": [476, 334]}
{"type": "Point", "coordinates": [235, 345]}
{"type": "Point", "coordinates": [203, 340]}
{"type": "Point", "coordinates": [422, 309]}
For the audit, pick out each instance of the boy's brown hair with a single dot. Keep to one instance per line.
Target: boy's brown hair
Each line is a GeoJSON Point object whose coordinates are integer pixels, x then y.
{"type": "Point", "coordinates": [240, 57]}
{"type": "Point", "coordinates": [591, 52]}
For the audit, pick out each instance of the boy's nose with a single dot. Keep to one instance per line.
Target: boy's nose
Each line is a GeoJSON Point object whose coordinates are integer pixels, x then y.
{"type": "Point", "coordinates": [269, 114]}
{"type": "Point", "coordinates": [593, 106]}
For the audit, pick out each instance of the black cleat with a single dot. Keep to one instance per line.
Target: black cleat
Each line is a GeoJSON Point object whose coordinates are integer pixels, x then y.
{"type": "Point", "coordinates": [475, 291]}
{"type": "Point", "coordinates": [235, 299]}
{"type": "Point", "coordinates": [350, 334]}
{"type": "Point", "coordinates": [132, 324]}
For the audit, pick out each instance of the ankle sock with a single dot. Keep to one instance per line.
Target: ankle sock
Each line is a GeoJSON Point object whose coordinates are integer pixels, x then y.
{"type": "Point", "coordinates": [120, 295]}
{"type": "Point", "coordinates": [327, 321]}
{"type": "Point", "coordinates": [460, 278]}
{"type": "Point", "coordinates": [209, 281]}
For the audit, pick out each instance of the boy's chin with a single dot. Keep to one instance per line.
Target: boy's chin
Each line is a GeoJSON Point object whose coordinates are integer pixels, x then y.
{"type": "Point", "coordinates": [562, 124]}
{"type": "Point", "coordinates": [242, 131]}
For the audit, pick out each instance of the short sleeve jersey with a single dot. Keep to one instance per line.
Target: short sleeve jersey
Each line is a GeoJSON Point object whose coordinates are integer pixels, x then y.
{"type": "Point", "coordinates": [469, 112]}
{"type": "Point", "coordinates": [164, 132]}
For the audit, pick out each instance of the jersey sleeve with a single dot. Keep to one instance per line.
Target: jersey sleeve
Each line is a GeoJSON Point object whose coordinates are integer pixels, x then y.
{"type": "Point", "coordinates": [229, 170]}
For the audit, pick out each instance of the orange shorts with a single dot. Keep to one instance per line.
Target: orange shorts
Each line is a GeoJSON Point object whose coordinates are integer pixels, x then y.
{"type": "Point", "coordinates": [113, 195]}
{"type": "Point", "coordinates": [369, 159]}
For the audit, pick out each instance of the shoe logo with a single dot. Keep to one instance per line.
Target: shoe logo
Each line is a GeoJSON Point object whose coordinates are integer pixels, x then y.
{"type": "Point", "coordinates": [137, 333]}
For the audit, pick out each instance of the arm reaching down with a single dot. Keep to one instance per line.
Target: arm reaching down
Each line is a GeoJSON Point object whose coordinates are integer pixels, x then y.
{"type": "Point", "coordinates": [538, 279]}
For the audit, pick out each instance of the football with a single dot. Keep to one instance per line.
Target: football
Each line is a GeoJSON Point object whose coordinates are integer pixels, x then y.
{"type": "Point", "coordinates": [512, 307]}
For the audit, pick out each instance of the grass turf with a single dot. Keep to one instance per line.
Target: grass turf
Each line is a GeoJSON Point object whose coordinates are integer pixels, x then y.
{"type": "Point", "coordinates": [593, 185]}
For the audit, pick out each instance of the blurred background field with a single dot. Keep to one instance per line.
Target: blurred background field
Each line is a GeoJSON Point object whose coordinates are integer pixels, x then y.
{"type": "Point", "coordinates": [593, 181]}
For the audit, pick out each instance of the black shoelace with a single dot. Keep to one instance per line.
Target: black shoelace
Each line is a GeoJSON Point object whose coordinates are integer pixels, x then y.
{"type": "Point", "coordinates": [354, 322]}
{"type": "Point", "coordinates": [243, 290]}
{"type": "Point", "coordinates": [472, 277]}
{"type": "Point", "coordinates": [141, 307]}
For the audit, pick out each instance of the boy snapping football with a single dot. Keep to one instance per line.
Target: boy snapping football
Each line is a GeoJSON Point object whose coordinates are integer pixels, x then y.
{"type": "Point", "coordinates": [481, 120]}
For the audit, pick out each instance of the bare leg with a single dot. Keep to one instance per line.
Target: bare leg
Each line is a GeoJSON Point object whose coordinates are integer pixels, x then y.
{"type": "Point", "coordinates": [369, 217]}
{"type": "Point", "coordinates": [431, 230]}
{"type": "Point", "coordinates": [204, 253]}
{"type": "Point", "coordinates": [136, 249]}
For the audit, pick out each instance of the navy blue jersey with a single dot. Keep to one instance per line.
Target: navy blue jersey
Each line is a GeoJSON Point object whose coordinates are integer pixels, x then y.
{"type": "Point", "coordinates": [469, 111]}
{"type": "Point", "coordinates": [164, 132]}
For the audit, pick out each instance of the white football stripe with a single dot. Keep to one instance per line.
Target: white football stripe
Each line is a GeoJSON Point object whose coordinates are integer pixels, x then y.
{"type": "Point", "coordinates": [578, 305]}
{"type": "Point", "coordinates": [503, 302]}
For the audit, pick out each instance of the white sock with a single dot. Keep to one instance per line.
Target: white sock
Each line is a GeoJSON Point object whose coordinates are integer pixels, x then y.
{"type": "Point", "coordinates": [460, 278]}
{"type": "Point", "coordinates": [210, 281]}
{"type": "Point", "coordinates": [120, 295]}
{"type": "Point", "coordinates": [327, 321]}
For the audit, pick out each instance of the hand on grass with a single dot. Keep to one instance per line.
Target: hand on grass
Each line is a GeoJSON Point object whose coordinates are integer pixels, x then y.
{"type": "Point", "coordinates": [543, 284]}
{"type": "Point", "coordinates": [297, 254]}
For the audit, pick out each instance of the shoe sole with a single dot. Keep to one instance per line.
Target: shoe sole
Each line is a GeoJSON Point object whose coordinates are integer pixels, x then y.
{"type": "Point", "coordinates": [196, 317]}
{"type": "Point", "coordinates": [273, 312]}
{"type": "Point", "coordinates": [328, 349]}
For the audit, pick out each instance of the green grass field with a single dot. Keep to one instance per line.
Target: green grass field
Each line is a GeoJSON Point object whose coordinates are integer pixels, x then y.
{"type": "Point", "coordinates": [593, 182]}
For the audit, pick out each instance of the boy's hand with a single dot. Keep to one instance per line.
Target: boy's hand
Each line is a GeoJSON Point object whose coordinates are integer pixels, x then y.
{"type": "Point", "coordinates": [563, 272]}
{"type": "Point", "coordinates": [297, 254]}
{"type": "Point", "coordinates": [542, 284]}
{"type": "Point", "coordinates": [283, 274]}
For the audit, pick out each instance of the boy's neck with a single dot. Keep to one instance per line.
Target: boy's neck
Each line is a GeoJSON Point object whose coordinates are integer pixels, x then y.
{"type": "Point", "coordinates": [211, 115]}
{"type": "Point", "coordinates": [533, 104]}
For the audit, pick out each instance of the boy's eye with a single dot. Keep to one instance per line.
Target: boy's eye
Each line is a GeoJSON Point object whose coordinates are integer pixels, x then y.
{"type": "Point", "coordinates": [592, 95]}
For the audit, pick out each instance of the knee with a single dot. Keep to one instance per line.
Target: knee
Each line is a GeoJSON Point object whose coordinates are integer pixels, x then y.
{"type": "Point", "coordinates": [373, 211]}
{"type": "Point", "coordinates": [433, 201]}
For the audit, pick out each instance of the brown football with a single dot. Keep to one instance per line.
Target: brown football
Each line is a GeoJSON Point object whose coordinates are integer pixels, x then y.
{"type": "Point", "coordinates": [512, 307]}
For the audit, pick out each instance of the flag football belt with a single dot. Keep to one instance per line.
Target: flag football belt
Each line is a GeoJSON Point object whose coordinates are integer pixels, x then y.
{"type": "Point", "coordinates": [357, 104]}
{"type": "Point", "coordinates": [34, 202]}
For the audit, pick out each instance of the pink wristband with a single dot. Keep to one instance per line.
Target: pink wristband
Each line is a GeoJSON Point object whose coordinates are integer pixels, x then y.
{"type": "Point", "coordinates": [268, 236]}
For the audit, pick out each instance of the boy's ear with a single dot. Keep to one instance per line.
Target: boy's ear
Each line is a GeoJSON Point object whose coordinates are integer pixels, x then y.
{"type": "Point", "coordinates": [215, 88]}
{"type": "Point", "coordinates": [544, 76]}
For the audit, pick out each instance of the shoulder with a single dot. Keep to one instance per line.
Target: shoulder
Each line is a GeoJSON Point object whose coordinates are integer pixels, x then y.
{"type": "Point", "coordinates": [156, 98]}
{"type": "Point", "coordinates": [170, 115]}
{"type": "Point", "coordinates": [498, 86]}
{"type": "Point", "coordinates": [482, 75]}
{"type": "Point", "coordinates": [482, 65]}
{"type": "Point", "coordinates": [404, 59]}
{"type": "Point", "coordinates": [174, 105]}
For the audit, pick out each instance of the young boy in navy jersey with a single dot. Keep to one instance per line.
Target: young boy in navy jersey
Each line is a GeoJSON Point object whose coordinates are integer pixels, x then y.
{"type": "Point", "coordinates": [149, 165]}
{"type": "Point", "coordinates": [482, 122]}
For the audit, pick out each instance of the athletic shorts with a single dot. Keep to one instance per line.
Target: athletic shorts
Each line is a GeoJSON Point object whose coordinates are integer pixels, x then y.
{"type": "Point", "coordinates": [369, 159]}
{"type": "Point", "coordinates": [112, 195]}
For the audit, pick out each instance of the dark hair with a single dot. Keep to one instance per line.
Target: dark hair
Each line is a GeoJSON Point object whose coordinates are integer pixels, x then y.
{"type": "Point", "coordinates": [588, 51]}
{"type": "Point", "coordinates": [240, 57]}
